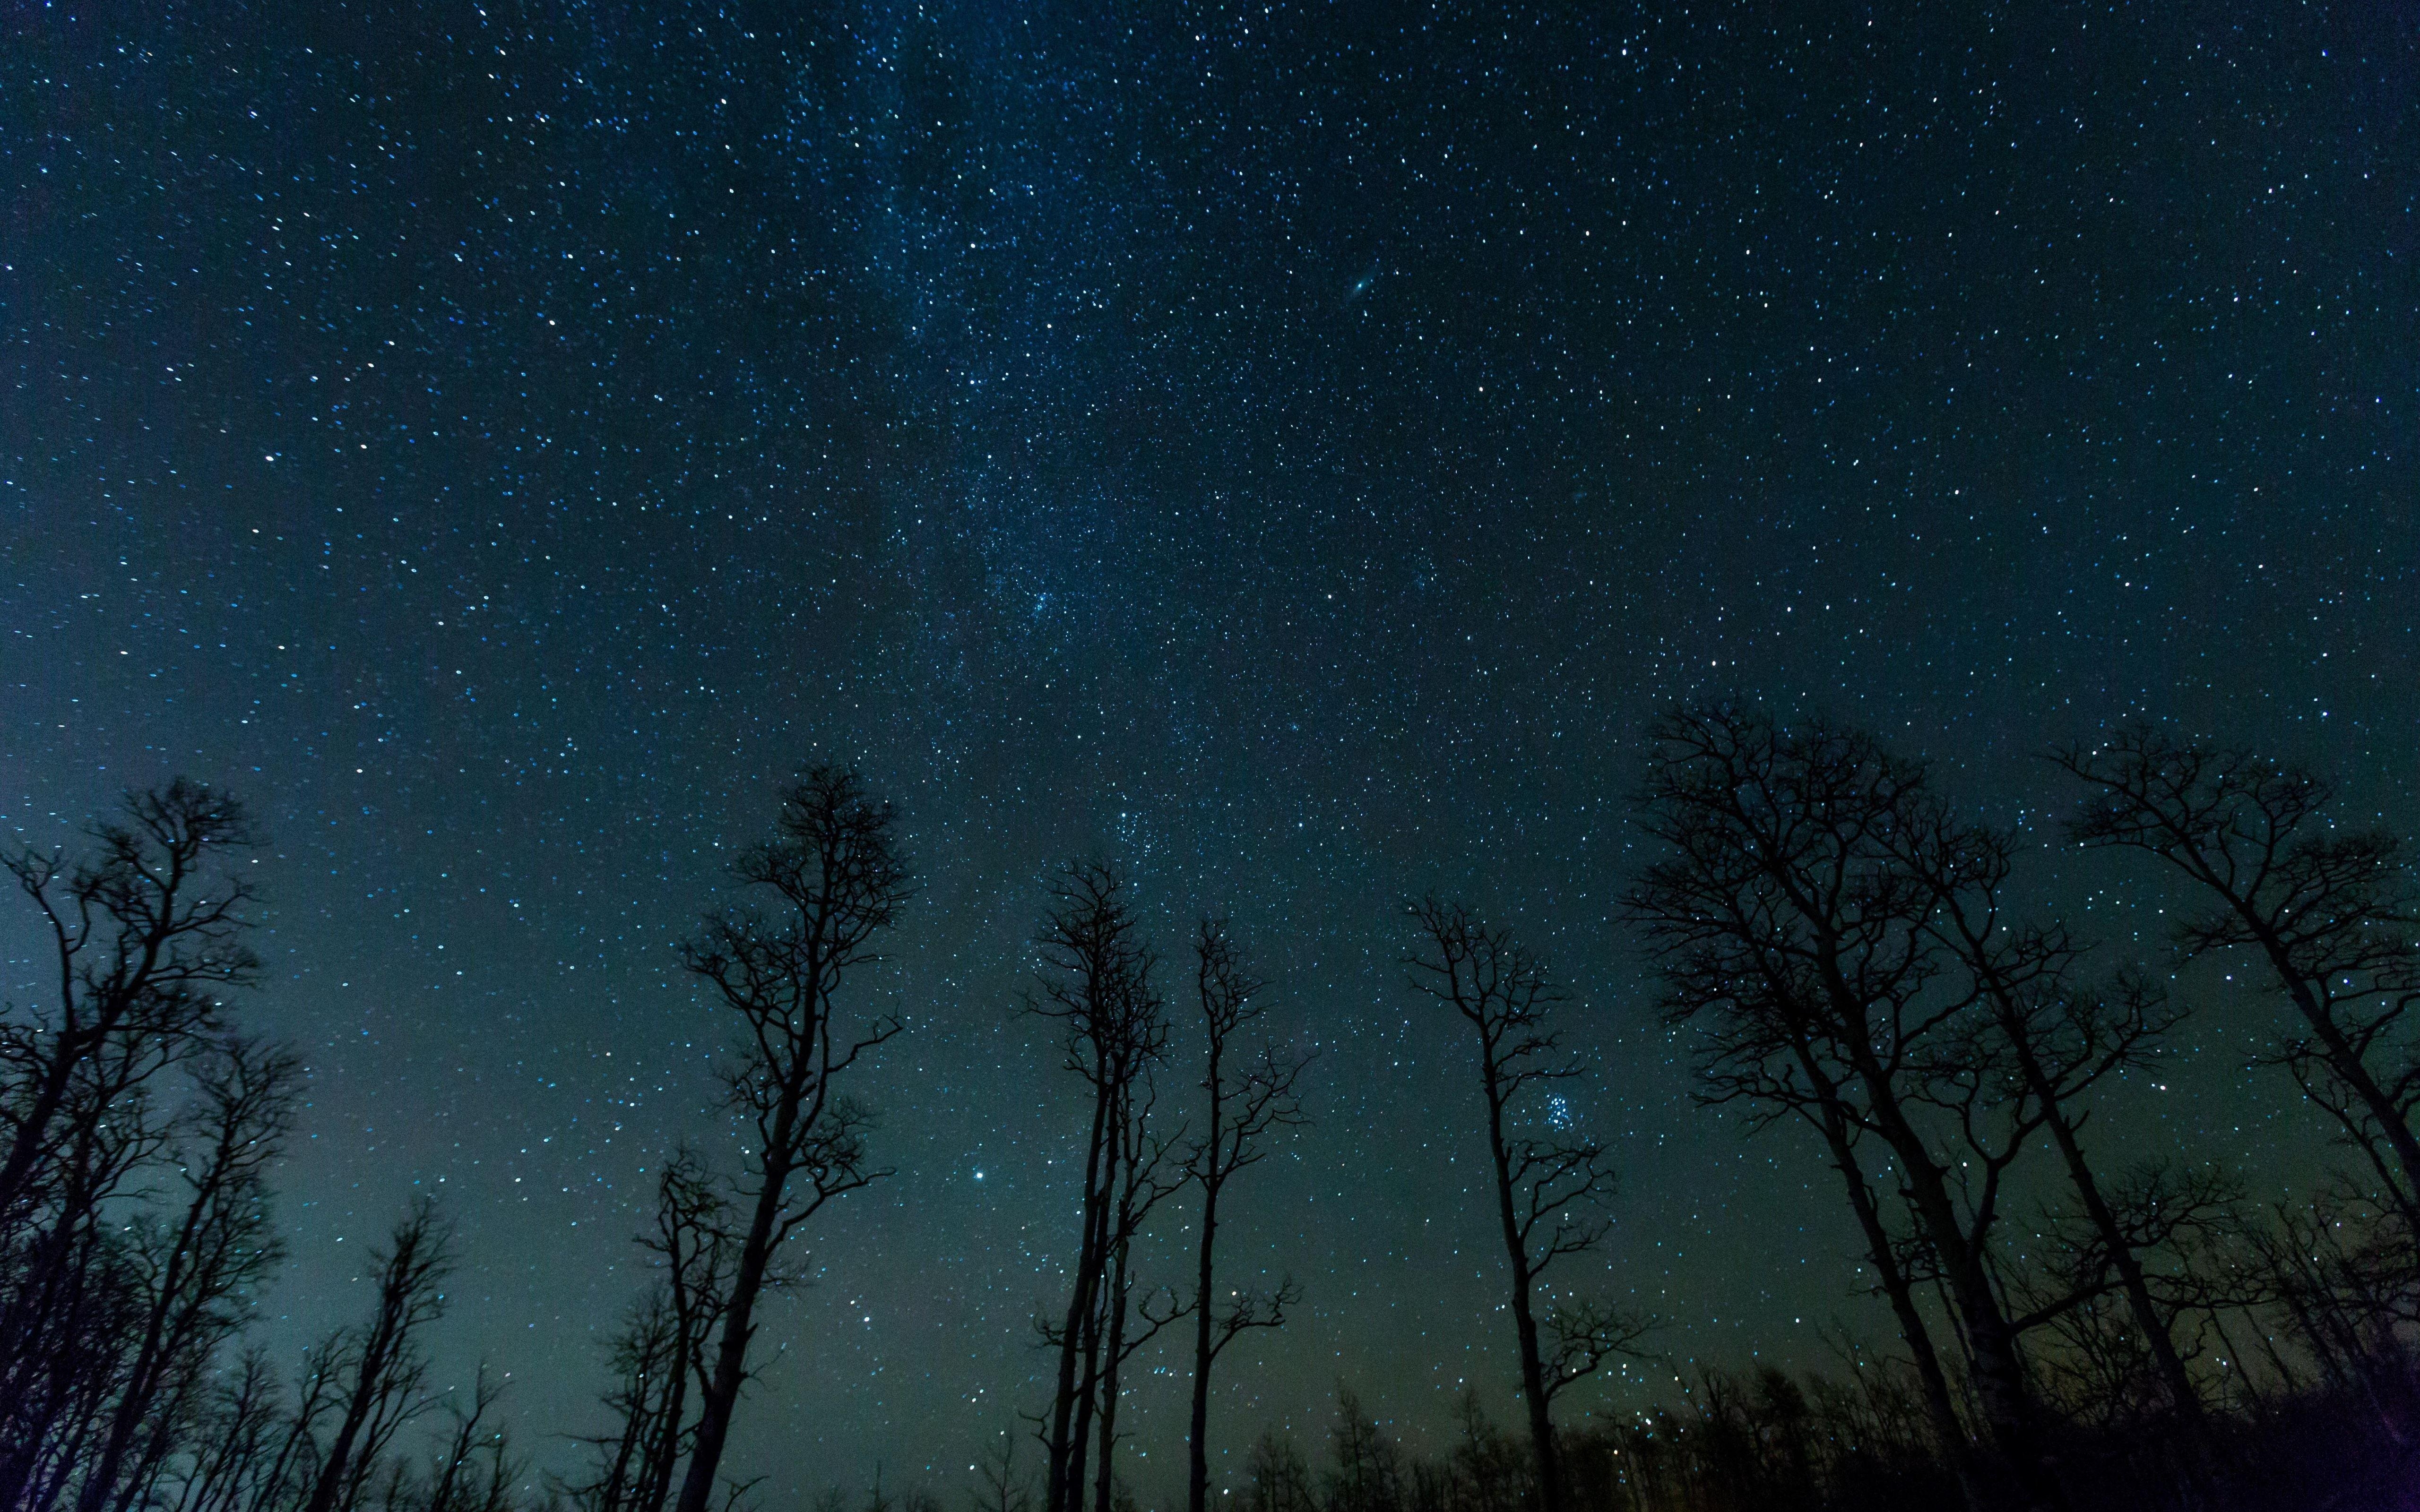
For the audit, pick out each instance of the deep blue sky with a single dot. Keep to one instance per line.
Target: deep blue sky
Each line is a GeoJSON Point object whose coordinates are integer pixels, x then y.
{"type": "Point", "coordinates": [1290, 448]}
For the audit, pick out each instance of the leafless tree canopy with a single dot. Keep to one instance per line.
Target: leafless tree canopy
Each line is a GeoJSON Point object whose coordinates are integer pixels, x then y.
{"type": "Point", "coordinates": [1550, 1188]}
{"type": "Point", "coordinates": [1248, 1093]}
{"type": "Point", "coordinates": [1095, 987]}
{"type": "Point", "coordinates": [2331, 913]}
{"type": "Point", "coordinates": [2081, 1321]}
{"type": "Point", "coordinates": [822, 889]}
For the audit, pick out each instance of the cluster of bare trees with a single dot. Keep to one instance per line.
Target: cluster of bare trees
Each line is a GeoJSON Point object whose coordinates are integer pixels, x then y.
{"type": "Point", "coordinates": [821, 890]}
{"type": "Point", "coordinates": [1095, 988]}
{"type": "Point", "coordinates": [830, 882]}
{"type": "Point", "coordinates": [1851, 953]}
{"type": "Point", "coordinates": [140, 1126]}
{"type": "Point", "coordinates": [1766, 1442]}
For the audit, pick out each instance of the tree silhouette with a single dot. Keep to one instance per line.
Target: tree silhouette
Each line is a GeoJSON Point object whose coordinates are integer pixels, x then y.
{"type": "Point", "coordinates": [1276, 1477]}
{"type": "Point", "coordinates": [2050, 1037]}
{"type": "Point", "coordinates": [1095, 984]}
{"type": "Point", "coordinates": [142, 937]}
{"type": "Point", "coordinates": [2331, 913]}
{"type": "Point", "coordinates": [192, 1273]}
{"type": "Point", "coordinates": [1795, 936]}
{"type": "Point", "coordinates": [1369, 1470]}
{"type": "Point", "coordinates": [1549, 1189]}
{"type": "Point", "coordinates": [473, 1468]}
{"type": "Point", "coordinates": [660, 1352]}
{"type": "Point", "coordinates": [835, 880]}
{"type": "Point", "coordinates": [383, 1370]}
{"type": "Point", "coordinates": [1242, 1105]}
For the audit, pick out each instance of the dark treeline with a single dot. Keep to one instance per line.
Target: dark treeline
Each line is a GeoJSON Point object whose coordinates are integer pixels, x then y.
{"type": "Point", "coordinates": [1858, 966]}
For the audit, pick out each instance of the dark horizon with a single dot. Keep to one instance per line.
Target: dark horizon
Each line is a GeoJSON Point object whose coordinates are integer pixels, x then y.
{"type": "Point", "coordinates": [1289, 456]}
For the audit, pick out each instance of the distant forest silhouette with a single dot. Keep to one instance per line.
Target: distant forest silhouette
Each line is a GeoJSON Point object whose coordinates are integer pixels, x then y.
{"type": "Point", "coordinates": [1841, 944]}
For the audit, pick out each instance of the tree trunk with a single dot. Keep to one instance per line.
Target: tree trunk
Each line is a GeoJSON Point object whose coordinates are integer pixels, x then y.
{"type": "Point", "coordinates": [1197, 1471]}
{"type": "Point", "coordinates": [1062, 1474]}
{"type": "Point", "coordinates": [722, 1393]}
{"type": "Point", "coordinates": [1525, 1324]}
{"type": "Point", "coordinates": [1938, 1403]}
{"type": "Point", "coordinates": [1998, 1370]}
{"type": "Point", "coordinates": [1198, 1467]}
{"type": "Point", "coordinates": [1105, 1484]}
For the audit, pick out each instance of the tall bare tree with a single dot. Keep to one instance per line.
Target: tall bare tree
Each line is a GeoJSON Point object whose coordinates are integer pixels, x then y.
{"type": "Point", "coordinates": [2054, 1038]}
{"type": "Point", "coordinates": [1800, 943]}
{"type": "Point", "coordinates": [1243, 1105]}
{"type": "Point", "coordinates": [1149, 1172]}
{"type": "Point", "coordinates": [142, 939]}
{"type": "Point", "coordinates": [661, 1350]}
{"type": "Point", "coordinates": [193, 1271]}
{"type": "Point", "coordinates": [1550, 1187]}
{"type": "Point", "coordinates": [1095, 984]}
{"type": "Point", "coordinates": [473, 1468]}
{"type": "Point", "coordinates": [834, 880]}
{"type": "Point", "coordinates": [1770, 1063]}
{"type": "Point", "coordinates": [143, 935]}
{"type": "Point", "coordinates": [2331, 913]}
{"type": "Point", "coordinates": [383, 1372]}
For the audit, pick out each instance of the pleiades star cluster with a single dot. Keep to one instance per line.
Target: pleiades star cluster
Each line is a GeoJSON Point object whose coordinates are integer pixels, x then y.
{"type": "Point", "coordinates": [1291, 450]}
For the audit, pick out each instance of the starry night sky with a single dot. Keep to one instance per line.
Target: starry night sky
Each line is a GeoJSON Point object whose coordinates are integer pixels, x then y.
{"type": "Point", "coordinates": [1290, 448]}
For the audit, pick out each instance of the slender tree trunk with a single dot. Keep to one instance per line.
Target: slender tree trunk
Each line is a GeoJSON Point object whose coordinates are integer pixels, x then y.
{"type": "Point", "coordinates": [1087, 1405]}
{"type": "Point", "coordinates": [1061, 1473]}
{"type": "Point", "coordinates": [655, 1487]}
{"type": "Point", "coordinates": [1197, 1482]}
{"type": "Point", "coordinates": [1196, 1470]}
{"type": "Point", "coordinates": [17, 1173]}
{"type": "Point", "coordinates": [722, 1393]}
{"type": "Point", "coordinates": [1939, 1404]}
{"type": "Point", "coordinates": [1998, 1370]}
{"type": "Point", "coordinates": [2173, 1378]}
{"type": "Point", "coordinates": [1104, 1483]}
{"type": "Point", "coordinates": [151, 1358]}
{"type": "Point", "coordinates": [1524, 1323]}
{"type": "Point", "coordinates": [615, 1495]}
{"type": "Point", "coordinates": [327, 1490]}
{"type": "Point", "coordinates": [39, 1368]}
{"type": "Point", "coordinates": [2175, 1384]}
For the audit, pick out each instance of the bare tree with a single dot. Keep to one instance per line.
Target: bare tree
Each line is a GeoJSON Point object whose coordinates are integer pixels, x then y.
{"type": "Point", "coordinates": [999, 1487]}
{"type": "Point", "coordinates": [2330, 912]}
{"type": "Point", "coordinates": [1549, 1188]}
{"type": "Point", "coordinates": [473, 1467]}
{"type": "Point", "coordinates": [384, 1371]}
{"type": "Point", "coordinates": [1277, 1478]}
{"type": "Point", "coordinates": [2053, 1038]}
{"type": "Point", "coordinates": [1123, 1323]}
{"type": "Point", "coordinates": [1369, 1472]}
{"type": "Point", "coordinates": [1242, 1106]}
{"type": "Point", "coordinates": [1797, 939]}
{"type": "Point", "coordinates": [70, 1291]}
{"type": "Point", "coordinates": [1094, 983]}
{"type": "Point", "coordinates": [836, 880]}
{"type": "Point", "coordinates": [1773, 1069]}
{"type": "Point", "coordinates": [141, 939]}
{"type": "Point", "coordinates": [194, 1274]}
{"type": "Point", "coordinates": [233, 1452]}
{"type": "Point", "coordinates": [661, 1348]}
